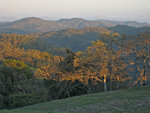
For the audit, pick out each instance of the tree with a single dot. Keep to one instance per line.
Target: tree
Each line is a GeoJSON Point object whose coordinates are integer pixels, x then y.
{"type": "Point", "coordinates": [95, 62]}
{"type": "Point", "coordinates": [18, 85]}
{"type": "Point", "coordinates": [138, 54]}
{"type": "Point", "coordinates": [118, 69]}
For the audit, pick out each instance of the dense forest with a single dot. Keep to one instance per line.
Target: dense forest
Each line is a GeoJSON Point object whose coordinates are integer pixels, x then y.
{"type": "Point", "coordinates": [41, 67]}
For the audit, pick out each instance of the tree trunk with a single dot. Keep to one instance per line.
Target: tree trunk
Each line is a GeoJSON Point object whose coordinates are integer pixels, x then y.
{"type": "Point", "coordinates": [117, 82]}
{"type": "Point", "coordinates": [105, 85]}
{"type": "Point", "coordinates": [117, 85]}
{"type": "Point", "coordinates": [110, 86]}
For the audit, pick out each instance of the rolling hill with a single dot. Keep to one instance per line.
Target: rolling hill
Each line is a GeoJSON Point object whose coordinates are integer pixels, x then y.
{"type": "Point", "coordinates": [136, 100]}
{"type": "Point", "coordinates": [33, 24]}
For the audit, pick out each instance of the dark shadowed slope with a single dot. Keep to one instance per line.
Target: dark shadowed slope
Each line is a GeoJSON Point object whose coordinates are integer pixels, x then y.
{"type": "Point", "coordinates": [122, 29]}
{"type": "Point", "coordinates": [75, 39]}
{"type": "Point", "coordinates": [80, 39]}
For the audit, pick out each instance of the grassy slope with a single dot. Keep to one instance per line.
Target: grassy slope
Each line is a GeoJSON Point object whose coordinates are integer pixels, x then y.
{"type": "Point", "coordinates": [136, 100]}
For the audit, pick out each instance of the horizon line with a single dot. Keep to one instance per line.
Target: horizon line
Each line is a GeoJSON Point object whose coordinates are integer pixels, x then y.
{"type": "Point", "coordinates": [46, 19]}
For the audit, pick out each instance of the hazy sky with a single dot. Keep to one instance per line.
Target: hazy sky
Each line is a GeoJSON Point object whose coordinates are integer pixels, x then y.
{"type": "Point", "coordinates": [89, 9]}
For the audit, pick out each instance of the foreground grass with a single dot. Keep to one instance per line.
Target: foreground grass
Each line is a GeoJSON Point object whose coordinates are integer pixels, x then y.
{"type": "Point", "coordinates": [136, 100]}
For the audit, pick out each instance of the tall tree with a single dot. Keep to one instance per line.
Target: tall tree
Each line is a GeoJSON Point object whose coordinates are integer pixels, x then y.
{"type": "Point", "coordinates": [138, 54]}
{"type": "Point", "coordinates": [95, 60]}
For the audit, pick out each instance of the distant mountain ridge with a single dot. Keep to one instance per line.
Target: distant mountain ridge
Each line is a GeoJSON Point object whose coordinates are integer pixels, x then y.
{"type": "Point", "coordinates": [29, 25]}
{"type": "Point", "coordinates": [33, 25]}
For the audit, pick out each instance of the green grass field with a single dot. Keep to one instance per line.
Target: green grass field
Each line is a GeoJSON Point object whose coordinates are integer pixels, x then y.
{"type": "Point", "coordinates": [136, 100]}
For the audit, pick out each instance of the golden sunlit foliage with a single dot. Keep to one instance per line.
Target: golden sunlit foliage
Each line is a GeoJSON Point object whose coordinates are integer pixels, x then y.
{"type": "Point", "coordinates": [14, 63]}
{"type": "Point", "coordinates": [110, 63]}
{"type": "Point", "coordinates": [103, 62]}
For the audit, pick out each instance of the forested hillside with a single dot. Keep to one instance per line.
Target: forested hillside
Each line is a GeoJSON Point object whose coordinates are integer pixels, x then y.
{"type": "Point", "coordinates": [29, 74]}
{"type": "Point", "coordinates": [74, 56]}
{"type": "Point", "coordinates": [76, 39]}
{"type": "Point", "coordinates": [128, 30]}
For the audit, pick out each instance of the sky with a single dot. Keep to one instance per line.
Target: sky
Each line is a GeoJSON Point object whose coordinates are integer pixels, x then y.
{"type": "Point", "coordinates": [138, 10]}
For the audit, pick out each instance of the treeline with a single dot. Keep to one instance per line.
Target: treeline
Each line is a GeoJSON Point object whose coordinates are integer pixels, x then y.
{"type": "Point", "coordinates": [29, 76]}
